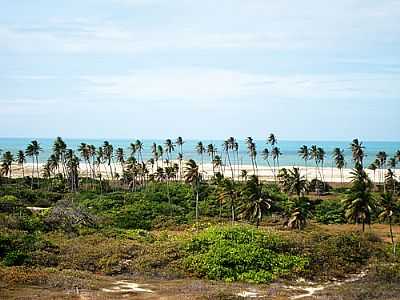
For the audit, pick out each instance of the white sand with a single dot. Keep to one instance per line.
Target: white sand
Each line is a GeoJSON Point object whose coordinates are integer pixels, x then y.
{"type": "Point", "coordinates": [264, 172]}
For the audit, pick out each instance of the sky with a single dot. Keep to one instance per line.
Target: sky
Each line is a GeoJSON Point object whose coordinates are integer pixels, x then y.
{"type": "Point", "coordinates": [311, 69]}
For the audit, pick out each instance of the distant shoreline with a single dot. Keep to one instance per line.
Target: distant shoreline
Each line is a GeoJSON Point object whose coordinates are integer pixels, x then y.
{"type": "Point", "coordinates": [265, 173]}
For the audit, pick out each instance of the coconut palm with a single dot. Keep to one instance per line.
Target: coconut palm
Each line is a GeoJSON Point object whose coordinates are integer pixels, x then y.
{"type": "Point", "coordinates": [357, 150]}
{"type": "Point", "coordinates": [169, 147]}
{"type": "Point", "coordinates": [321, 158]}
{"type": "Point", "coordinates": [305, 155]}
{"type": "Point", "coordinates": [272, 140]}
{"type": "Point", "coordinates": [373, 167]}
{"type": "Point", "coordinates": [194, 177]}
{"type": "Point", "coordinates": [200, 151]}
{"type": "Point", "coordinates": [251, 151]}
{"type": "Point", "coordinates": [72, 163]}
{"type": "Point", "coordinates": [33, 150]}
{"type": "Point", "coordinates": [120, 155]}
{"type": "Point", "coordinates": [179, 142]}
{"type": "Point", "coordinates": [160, 152]}
{"type": "Point", "coordinates": [382, 157]}
{"type": "Point", "coordinates": [217, 163]}
{"type": "Point", "coordinates": [392, 163]}
{"type": "Point", "coordinates": [390, 181]}
{"type": "Point", "coordinates": [139, 149]}
{"type": "Point", "coordinates": [108, 152]}
{"type": "Point", "coordinates": [212, 150]}
{"type": "Point", "coordinates": [6, 163]}
{"type": "Point", "coordinates": [84, 152]}
{"type": "Point", "coordinates": [275, 153]}
{"type": "Point", "coordinates": [388, 205]}
{"type": "Point", "coordinates": [255, 201]}
{"type": "Point", "coordinates": [228, 192]}
{"type": "Point", "coordinates": [315, 156]}
{"type": "Point", "coordinates": [299, 213]}
{"type": "Point", "coordinates": [294, 182]}
{"type": "Point", "coordinates": [338, 157]}
{"type": "Point", "coordinates": [359, 204]}
{"type": "Point", "coordinates": [265, 155]}
{"type": "Point", "coordinates": [59, 149]}
{"type": "Point", "coordinates": [21, 161]}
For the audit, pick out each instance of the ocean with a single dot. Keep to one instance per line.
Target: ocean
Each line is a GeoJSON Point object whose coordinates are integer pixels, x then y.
{"type": "Point", "coordinates": [289, 149]}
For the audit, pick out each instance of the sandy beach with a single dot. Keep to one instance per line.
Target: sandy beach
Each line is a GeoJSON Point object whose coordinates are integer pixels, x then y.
{"type": "Point", "coordinates": [265, 173]}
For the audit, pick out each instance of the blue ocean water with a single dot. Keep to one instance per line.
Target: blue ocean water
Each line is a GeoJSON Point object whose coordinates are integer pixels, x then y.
{"type": "Point", "coordinates": [288, 148]}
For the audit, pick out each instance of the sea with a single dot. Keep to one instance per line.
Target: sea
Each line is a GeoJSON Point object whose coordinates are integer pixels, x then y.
{"type": "Point", "coordinates": [289, 149]}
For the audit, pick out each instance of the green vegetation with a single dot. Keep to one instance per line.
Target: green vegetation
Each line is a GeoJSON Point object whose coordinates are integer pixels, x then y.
{"type": "Point", "coordinates": [174, 222]}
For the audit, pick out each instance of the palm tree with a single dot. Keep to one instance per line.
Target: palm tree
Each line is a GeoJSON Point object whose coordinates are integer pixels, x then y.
{"type": "Point", "coordinates": [21, 161]}
{"type": "Point", "coordinates": [59, 149]}
{"type": "Point", "coordinates": [357, 150]}
{"type": "Point", "coordinates": [72, 163]}
{"type": "Point", "coordinates": [359, 203]}
{"type": "Point", "coordinates": [139, 149]}
{"type": "Point", "coordinates": [179, 142]}
{"type": "Point", "coordinates": [217, 163]}
{"type": "Point", "coordinates": [226, 147]}
{"type": "Point", "coordinates": [193, 176]}
{"type": "Point", "coordinates": [160, 152]}
{"type": "Point", "coordinates": [211, 150]}
{"type": "Point", "coordinates": [33, 150]}
{"type": "Point", "coordinates": [275, 153]}
{"type": "Point", "coordinates": [390, 181]}
{"type": "Point", "coordinates": [299, 213]}
{"type": "Point", "coordinates": [294, 182]}
{"type": "Point", "coordinates": [6, 165]}
{"type": "Point", "coordinates": [388, 207]}
{"type": "Point", "coordinates": [85, 154]}
{"type": "Point", "coordinates": [382, 157]}
{"type": "Point", "coordinates": [228, 190]}
{"type": "Point", "coordinates": [255, 201]}
{"type": "Point", "coordinates": [265, 156]}
{"type": "Point", "coordinates": [305, 155]}
{"type": "Point", "coordinates": [108, 152]}
{"type": "Point", "coordinates": [250, 149]}
{"type": "Point", "coordinates": [169, 147]}
{"type": "Point", "coordinates": [373, 166]}
{"type": "Point", "coordinates": [338, 157]}
{"type": "Point", "coordinates": [272, 140]}
{"type": "Point", "coordinates": [200, 151]}
{"type": "Point", "coordinates": [321, 158]}
{"type": "Point", "coordinates": [315, 155]}
{"type": "Point", "coordinates": [120, 158]}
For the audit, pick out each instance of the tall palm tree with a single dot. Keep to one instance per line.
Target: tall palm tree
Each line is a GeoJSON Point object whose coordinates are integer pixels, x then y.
{"type": "Point", "coordinates": [357, 150]}
{"type": "Point", "coordinates": [315, 156]}
{"type": "Point", "coordinates": [200, 151]}
{"type": "Point", "coordinates": [359, 204]}
{"type": "Point", "coordinates": [33, 150]}
{"type": "Point", "coordinates": [255, 201]}
{"type": "Point", "coordinates": [321, 158]}
{"type": "Point", "coordinates": [59, 149]}
{"type": "Point", "coordinates": [373, 167]}
{"type": "Point", "coordinates": [120, 158]}
{"type": "Point", "coordinates": [227, 146]}
{"type": "Point", "coordinates": [217, 163]}
{"type": "Point", "coordinates": [305, 155]}
{"type": "Point", "coordinates": [108, 152]}
{"type": "Point", "coordinates": [194, 177]}
{"type": "Point", "coordinates": [338, 157]}
{"type": "Point", "coordinates": [84, 152]}
{"type": "Point", "coordinates": [139, 149]}
{"type": "Point", "coordinates": [21, 161]}
{"type": "Point", "coordinates": [160, 152]}
{"type": "Point", "coordinates": [272, 140]}
{"type": "Point", "coordinates": [228, 191]}
{"type": "Point", "coordinates": [388, 205]}
{"type": "Point", "coordinates": [382, 157]}
{"type": "Point", "coordinates": [265, 156]}
{"type": "Point", "coordinates": [169, 147]}
{"type": "Point", "coordinates": [275, 153]}
{"type": "Point", "coordinates": [211, 150]}
{"type": "Point", "coordinates": [179, 142]}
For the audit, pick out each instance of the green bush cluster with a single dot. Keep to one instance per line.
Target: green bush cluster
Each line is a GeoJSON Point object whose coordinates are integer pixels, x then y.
{"type": "Point", "coordinates": [330, 212]}
{"type": "Point", "coordinates": [240, 253]}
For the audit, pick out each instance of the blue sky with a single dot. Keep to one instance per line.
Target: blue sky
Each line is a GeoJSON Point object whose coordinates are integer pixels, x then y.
{"type": "Point", "coordinates": [200, 69]}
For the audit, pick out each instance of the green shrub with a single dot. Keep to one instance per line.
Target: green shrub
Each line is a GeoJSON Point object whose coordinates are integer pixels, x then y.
{"type": "Point", "coordinates": [15, 258]}
{"type": "Point", "coordinates": [330, 212]}
{"type": "Point", "coordinates": [242, 254]}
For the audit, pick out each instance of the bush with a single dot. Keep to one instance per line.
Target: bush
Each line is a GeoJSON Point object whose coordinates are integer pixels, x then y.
{"type": "Point", "coordinates": [241, 254]}
{"type": "Point", "coordinates": [330, 212]}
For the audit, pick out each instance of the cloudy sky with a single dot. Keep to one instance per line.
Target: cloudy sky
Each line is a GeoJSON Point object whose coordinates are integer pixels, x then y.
{"type": "Point", "coordinates": [306, 69]}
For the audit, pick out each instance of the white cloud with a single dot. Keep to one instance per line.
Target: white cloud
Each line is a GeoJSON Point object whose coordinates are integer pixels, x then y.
{"type": "Point", "coordinates": [207, 85]}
